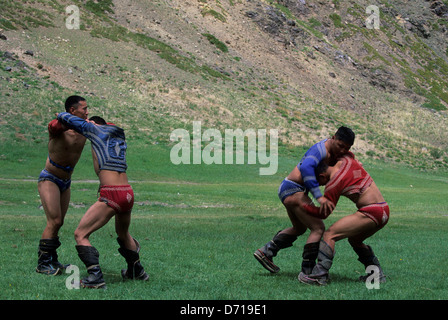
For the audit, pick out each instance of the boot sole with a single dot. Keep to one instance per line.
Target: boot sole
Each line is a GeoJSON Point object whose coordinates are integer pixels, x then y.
{"type": "Point", "coordinates": [265, 262]}
{"type": "Point", "coordinates": [54, 272]}
{"type": "Point", "coordinates": [311, 281]}
{"type": "Point", "coordinates": [143, 277]}
{"type": "Point", "coordinates": [94, 286]}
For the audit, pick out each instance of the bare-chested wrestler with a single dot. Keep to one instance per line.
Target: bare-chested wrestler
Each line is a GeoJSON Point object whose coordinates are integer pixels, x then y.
{"type": "Point", "coordinates": [64, 150]}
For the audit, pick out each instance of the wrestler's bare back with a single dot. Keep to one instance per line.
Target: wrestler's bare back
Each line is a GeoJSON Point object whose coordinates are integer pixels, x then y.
{"type": "Point", "coordinates": [109, 177]}
{"type": "Point", "coordinates": [370, 195]}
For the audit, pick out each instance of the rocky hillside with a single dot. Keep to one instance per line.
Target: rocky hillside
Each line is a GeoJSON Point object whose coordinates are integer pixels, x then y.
{"type": "Point", "coordinates": [304, 67]}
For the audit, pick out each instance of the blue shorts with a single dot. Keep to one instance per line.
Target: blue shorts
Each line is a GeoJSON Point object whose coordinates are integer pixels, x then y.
{"type": "Point", "coordinates": [288, 187]}
{"type": "Point", "coordinates": [61, 183]}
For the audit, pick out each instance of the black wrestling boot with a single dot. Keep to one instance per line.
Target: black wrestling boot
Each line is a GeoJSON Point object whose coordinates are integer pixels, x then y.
{"type": "Point", "coordinates": [266, 254]}
{"type": "Point", "coordinates": [56, 262]}
{"type": "Point", "coordinates": [135, 269]}
{"type": "Point", "coordinates": [47, 262]}
{"type": "Point", "coordinates": [320, 273]}
{"type": "Point", "coordinates": [90, 256]}
{"type": "Point", "coordinates": [368, 258]}
{"type": "Point", "coordinates": [309, 256]}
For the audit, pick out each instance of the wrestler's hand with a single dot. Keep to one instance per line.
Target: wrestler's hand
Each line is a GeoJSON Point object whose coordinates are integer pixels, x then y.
{"type": "Point", "coordinates": [326, 207]}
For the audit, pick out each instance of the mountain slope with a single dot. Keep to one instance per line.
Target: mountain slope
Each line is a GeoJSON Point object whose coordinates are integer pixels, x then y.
{"type": "Point", "coordinates": [303, 67]}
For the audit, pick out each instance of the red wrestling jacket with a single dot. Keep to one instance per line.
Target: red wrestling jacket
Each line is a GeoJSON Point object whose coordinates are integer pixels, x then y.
{"type": "Point", "coordinates": [350, 179]}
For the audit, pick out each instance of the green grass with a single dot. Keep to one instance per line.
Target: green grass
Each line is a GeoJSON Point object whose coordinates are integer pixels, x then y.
{"type": "Point", "coordinates": [219, 44]}
{"type": "Point", "coordinates": [199, 226]}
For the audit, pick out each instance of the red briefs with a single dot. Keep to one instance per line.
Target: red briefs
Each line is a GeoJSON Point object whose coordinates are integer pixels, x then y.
{"type": "Point", "coordinates": [120, 198]}
{"type": "Point", "coordinates": [378, 212]}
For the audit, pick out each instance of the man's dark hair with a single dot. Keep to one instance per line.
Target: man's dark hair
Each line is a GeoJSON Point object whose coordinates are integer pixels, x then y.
{"type": "Point", "coordinates": [321, 168]}
{"type": "Point", "coordinates": [72, 101]}
{"type": "Point", "coordinates": [98, 120]}
{"type": "Point", "coordinates": [345, 134]}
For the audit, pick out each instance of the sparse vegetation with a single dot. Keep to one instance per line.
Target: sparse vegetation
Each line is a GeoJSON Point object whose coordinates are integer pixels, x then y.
{"type": "Point", "coordinates": [213, 40]}
{"type": "Point", "coordinates": [100, 8]}
{"type": "Point", "coordinates": [372, 91]}
{"type": "Point", "coordinates": [206, 10]}
{"type": "Point", "coordinates": [337, 20]}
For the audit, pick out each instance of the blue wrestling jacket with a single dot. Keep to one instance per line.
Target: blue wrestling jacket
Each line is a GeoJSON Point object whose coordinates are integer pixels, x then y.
{"type": "Point", "coordinates": [309, 163]}
{"type": "Point", "coordinates": [108, 141]}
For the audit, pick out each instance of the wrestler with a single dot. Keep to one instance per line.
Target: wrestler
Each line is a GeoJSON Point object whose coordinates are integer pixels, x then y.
{"type": "Point", "coordinates": [348, 178]}
{"type": "Point", "coordinates": [116, 199]}
{"type": "Point", "coordinates": [293, 193]}
{"type": "Point", "coordinates": [64, 150]}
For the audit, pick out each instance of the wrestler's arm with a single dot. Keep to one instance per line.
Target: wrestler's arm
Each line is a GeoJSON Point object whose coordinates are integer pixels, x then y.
{"type": "Point", "coordinates": [307, 170]}
{"type": "Point", "coordinates": [73, 122]}
{"type": "Point", "coordinates": [311, 209]}
{"type": "Point", "coordinates": [332, 195]}
{"type": "Point", "coordinates": [306, 204]}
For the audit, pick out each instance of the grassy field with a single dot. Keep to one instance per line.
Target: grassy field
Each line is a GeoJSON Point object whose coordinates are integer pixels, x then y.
{"type": "Point", "coordinates": [199, 225]}
{"type": "Point", "coordinates": [157, 66]}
